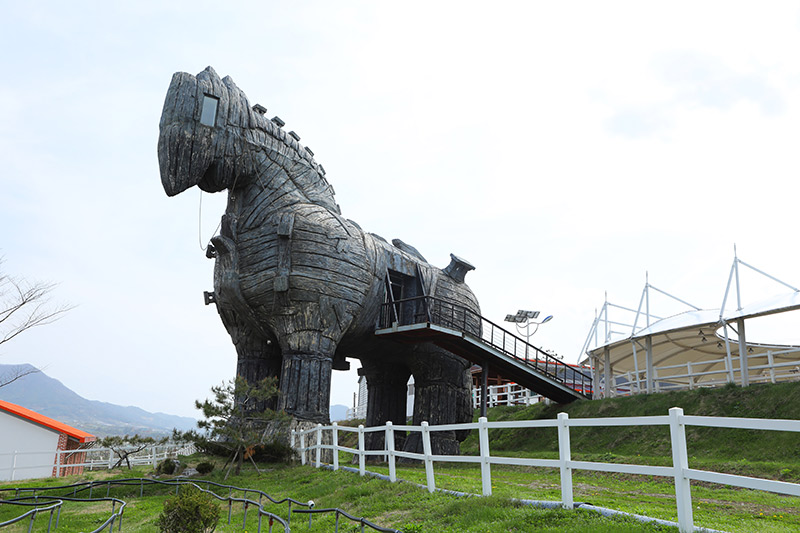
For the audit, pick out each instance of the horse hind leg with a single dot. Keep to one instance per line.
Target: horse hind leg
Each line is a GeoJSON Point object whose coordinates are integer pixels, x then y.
{"type": "Point", "coordinates": [442, 392]}
{"type": "Point", "coordinates": [387, 386]}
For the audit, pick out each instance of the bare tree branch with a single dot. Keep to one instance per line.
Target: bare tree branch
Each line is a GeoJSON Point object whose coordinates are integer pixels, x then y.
{"type": "Point", "coordinates": [11, 377]}
{"type": "Point", "coordinates": [24, 306]}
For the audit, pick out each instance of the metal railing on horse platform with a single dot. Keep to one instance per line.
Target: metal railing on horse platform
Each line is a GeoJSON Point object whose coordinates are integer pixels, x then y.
{"type": "Point", "coordinates": [479, 340]}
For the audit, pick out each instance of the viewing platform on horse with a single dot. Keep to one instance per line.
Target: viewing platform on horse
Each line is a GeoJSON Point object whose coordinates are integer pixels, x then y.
{"type": "Point", "coordinates": [469, 335]}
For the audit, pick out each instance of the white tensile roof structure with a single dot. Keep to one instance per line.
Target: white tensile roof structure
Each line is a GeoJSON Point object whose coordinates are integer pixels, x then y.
{"type": "Point", "coordinates": [699, 347]}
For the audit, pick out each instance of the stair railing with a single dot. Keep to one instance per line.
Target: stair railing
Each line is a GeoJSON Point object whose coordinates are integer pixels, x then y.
{"type": "Point", "coordinates": [455, 316]}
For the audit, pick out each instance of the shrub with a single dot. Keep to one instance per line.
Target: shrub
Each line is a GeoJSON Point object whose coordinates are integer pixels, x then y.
{"type": "Point", "coordinates": [205, 467]}
{"type": "Point", "coordinates": [268, 452]}
{"type": "Point", "coordinates": [191, 511]}
{"type": "Point", "coordinates": [167, 466]}
{"type": "Point", "coordinates": [274, 452]}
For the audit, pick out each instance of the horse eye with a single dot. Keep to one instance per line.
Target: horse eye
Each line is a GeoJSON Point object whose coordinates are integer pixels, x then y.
{"type": "Point", "coordinates": [208, 116]}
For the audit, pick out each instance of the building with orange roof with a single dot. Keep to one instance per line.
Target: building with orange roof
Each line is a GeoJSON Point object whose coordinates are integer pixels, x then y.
{"type": "Point", "coordinates": [33, 445]}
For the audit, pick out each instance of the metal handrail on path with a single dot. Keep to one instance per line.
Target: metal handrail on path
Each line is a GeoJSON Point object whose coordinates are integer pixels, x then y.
{"type": "Point", "coordinates": [38, 507]}
{"type": "Point", "coordinates": [450, 315]}
{"type": "Point", "coordinates": [22, 494]}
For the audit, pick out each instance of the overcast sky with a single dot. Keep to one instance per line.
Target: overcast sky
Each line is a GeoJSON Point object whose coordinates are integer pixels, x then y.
{"type": "Point", "coordinates": [565, 149]}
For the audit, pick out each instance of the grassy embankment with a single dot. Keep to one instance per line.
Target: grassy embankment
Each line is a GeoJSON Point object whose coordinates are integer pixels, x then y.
{"type": "Point", "coordinates": [757, 453]}
{"type": "Point", "coordinates": [765, 454]}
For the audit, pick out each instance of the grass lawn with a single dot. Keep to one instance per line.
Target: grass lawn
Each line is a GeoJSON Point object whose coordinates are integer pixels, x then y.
{"type": "Point", "coordinates": [715, 506]}
{"type": "Point", "coordinates": [399, 505]}
{"type": "Point", "coordinates": [411, 509]}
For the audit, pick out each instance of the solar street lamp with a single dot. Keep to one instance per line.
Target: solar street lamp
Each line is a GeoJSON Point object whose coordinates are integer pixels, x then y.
{"type": "Point", "coordinates": [524, 319]}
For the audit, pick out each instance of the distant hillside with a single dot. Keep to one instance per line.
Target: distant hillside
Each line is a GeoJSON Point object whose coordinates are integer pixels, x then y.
{"type": "Point", "coordinates": [50, 397]}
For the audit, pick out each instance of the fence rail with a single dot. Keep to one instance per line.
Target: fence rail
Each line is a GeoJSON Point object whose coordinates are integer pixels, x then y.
{"type": "Point", "coordinates": [61, 461]}
{"type": "Point", "coordinates": [676, 420]}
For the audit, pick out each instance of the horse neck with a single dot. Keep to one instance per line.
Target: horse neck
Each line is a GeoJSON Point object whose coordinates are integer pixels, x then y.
{"type": "Point", "coordinates": [273, 189]}
{"type": "Point", "coordinates": [279, 164]}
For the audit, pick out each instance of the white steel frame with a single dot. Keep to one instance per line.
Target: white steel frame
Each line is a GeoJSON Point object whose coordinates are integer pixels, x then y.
{"type": "Point", "coordinates": [633, 383]}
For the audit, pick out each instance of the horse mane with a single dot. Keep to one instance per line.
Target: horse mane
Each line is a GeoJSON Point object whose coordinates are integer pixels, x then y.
{"type": "Point", "coordinates": [283, 148]}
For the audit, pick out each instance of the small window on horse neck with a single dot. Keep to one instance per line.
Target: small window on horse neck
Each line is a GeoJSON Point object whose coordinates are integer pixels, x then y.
{"type": "Point", "coordinates": [208, 116]}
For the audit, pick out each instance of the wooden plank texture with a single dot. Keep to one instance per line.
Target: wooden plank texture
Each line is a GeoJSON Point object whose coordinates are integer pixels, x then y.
{"type": "Point", "coordinates": [296, 284]}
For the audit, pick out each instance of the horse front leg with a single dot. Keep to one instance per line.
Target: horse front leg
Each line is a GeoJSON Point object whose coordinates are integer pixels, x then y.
{"type": "Point", "coordinates": [305, 385]}
{"type": "Point", "coordinates": [258, 357]}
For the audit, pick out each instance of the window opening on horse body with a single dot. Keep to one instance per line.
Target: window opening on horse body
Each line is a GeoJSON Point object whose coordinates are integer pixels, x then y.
{"type": "Point", "coordinates": [208, 115]}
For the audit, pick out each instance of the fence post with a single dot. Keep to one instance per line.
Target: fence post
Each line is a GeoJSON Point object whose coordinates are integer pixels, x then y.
{"type": "Point", "coordinates": [110, 458]}
{"type": "Point", "coordinates": [426, 449]}
{"type": "Point", "coordinates": [691, 376]}
{"type": "Point", "coordinates": [771, 363]}
{"type": "Point", "coordinates": [361, 470]}
{"type": "Point", "coordinates": [155, 457]}
{"type": "Point", "coordinates": [486, 467]}
{"type": "Point", "coordinates": [680, 462]}
{"type": "Point", "coordinates": [335, 442]}
{"type": "Point", "coordinates": [390, 451]}
{"type": "Point", "coordinates": [564, 457]}
{"type": "Point", "coordinates": [302, 448]}
{"type": "Point", "coordinates": [319, 444]}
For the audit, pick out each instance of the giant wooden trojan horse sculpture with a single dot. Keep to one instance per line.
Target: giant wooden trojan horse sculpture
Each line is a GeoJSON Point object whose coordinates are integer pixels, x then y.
{"type": "Point", "coordinates": [299, 287]}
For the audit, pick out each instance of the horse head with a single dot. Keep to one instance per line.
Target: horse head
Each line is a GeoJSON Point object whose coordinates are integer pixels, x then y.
{"type": "Point", "coordinates": [212, 138]}
{"type": "Point", "coordinates": [200, 127]}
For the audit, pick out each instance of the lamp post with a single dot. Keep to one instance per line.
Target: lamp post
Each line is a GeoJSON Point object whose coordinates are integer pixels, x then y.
{"type": "Point", "coordinates": [522, 316]}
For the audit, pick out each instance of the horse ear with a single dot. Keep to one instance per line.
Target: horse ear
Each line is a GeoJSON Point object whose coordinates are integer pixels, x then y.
{"type": "Point", "coordinates": [208, 74]}
{"type": "Point", "coordinates": [229, 83]}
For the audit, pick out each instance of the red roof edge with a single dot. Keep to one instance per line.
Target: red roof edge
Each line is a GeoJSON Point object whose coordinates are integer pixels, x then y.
{"type": "Point", "coordinates": [40, 419]}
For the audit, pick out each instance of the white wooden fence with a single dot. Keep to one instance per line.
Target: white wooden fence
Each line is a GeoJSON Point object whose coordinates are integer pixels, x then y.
{"type": "Point", "coordinates": [677, 422]}
{"type": "Point", "coordinates": [506, 394]}
{"type": "Point", "coordinates": [687, 376]}
{"type": "Point", "coordinates": [95, 458]}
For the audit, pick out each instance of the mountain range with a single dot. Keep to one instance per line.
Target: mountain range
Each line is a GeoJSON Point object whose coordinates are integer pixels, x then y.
{"type": "Point", "coordinates": [41, 393]}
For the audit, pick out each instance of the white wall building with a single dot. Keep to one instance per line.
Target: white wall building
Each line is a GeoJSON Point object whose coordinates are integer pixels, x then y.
{"type": "Point", "coordinates": [359, 409]}
{"type": "Point", "coordinates": [29, 442]}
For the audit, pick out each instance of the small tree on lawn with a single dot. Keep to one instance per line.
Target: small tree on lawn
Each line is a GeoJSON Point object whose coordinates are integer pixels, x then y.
{"type": "Point", "coordinates": [236, 420]}
{"type": "Point", "coordinates": [126, 446]}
